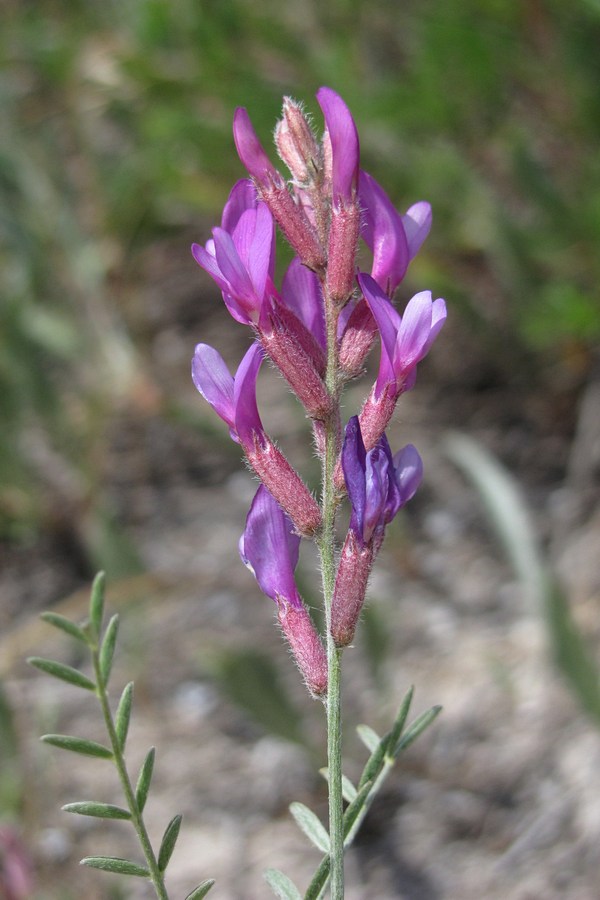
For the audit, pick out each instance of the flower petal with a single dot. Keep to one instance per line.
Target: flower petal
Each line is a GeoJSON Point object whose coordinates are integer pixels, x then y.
{"type": "Point", "coordinates": [246, 417]}
{"type": "Point", "coordinates": [270, 547]}
{"type": "Point", "coordinates": [353, 465]}
{"type": "Point", "coordinates": [417, 224]}
{"type": "Point", "coordinates": [214, 381]}
{"type": "Point", "coordinates": [301, 293]}
{"type": "Point", "coordinates": [344, 143]}
{"type": "Point", "coordinates": [383, 231]}
{"type": "Point", "coordinates": [250, 149]}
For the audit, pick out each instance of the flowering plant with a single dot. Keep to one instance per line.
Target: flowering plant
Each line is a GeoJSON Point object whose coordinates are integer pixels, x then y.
{"type": "Point", "coordinates": [317, 329]}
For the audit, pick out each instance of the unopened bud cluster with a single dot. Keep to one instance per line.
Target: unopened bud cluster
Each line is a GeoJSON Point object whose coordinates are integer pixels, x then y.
{"type": "Point", "coordinates": [317, 329]}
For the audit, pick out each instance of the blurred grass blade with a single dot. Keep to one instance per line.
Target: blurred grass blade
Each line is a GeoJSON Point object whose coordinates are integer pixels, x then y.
{"type": "Point", "coordinates": [510, 517]}
{"type": "Point", "coordinates": [77, 745]}
{"type": "Point", "coordinates": [65, 673]}
{"type": "Point", "coordinates": [116, 865]}
{"type": "Point", "coordinates": [282, 886]}
{"type": "Point", "coordinates": [311, 826]}
{"type": "Point", "coordinates": [97, 810]}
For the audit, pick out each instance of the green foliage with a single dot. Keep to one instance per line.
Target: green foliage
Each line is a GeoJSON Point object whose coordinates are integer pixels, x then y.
{"type": "Point", "coordinates": [101, 643]}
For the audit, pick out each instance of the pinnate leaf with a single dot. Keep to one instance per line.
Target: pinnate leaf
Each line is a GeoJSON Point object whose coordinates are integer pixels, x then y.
{"type": "Point", "coordinates": [124, 714]}
{"type": "Point", "coordinates": [116, 865]}
{"type": "Point", "coordinates": [77, 745]}
{"type": "Point", "coordinates": [65, 625]}
{"type": "Point", "coordinates": [65, 673]}
{"type": "Point", "coordinates": [312, 826]}
{"type": "Point", "coordinates": [400, 721]}
{"type": "Point", "coordinates": [168, 842]}
{"type": "Point", "coordinates": [202, 890]}
{"type": "Point", "coordinates": [282, 886]}
{"type": "Point", "coordinates": [97, 810]}
{"type": "Point", "coordinates": [107, 650]}
{"type": "Point", "coordinates": [97, 603]}
{"type": "Point", "coordinates": [145, 777]}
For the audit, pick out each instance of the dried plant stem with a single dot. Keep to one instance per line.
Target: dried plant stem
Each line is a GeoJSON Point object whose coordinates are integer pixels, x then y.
{"type": "Point", "coordinates": [137, 820]}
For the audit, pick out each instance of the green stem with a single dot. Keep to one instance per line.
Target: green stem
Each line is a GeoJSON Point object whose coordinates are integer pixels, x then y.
{"type": "Point", "coordinates": [328, 568]}
{"type": "Point", "coordinates": [136, 817]}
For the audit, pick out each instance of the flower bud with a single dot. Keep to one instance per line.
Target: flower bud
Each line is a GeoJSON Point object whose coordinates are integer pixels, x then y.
{"type": "Point", "coordinates": [296, 143]}
{"type": "Point", "coordinates": [343, 241]}
{"type": "Point", "coordinates": [305, 644]}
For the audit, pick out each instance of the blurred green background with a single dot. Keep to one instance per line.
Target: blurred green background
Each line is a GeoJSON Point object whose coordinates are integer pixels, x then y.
{"type": "Point", "coordinates": [116, 144]}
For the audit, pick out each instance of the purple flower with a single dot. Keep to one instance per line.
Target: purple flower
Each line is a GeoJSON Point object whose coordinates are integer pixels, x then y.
{"type": "Point", "coordinates": [270, 547]}
{"type": "Point", "coordinates": [251, 151]}
{"type": "Point", "coordinates": [378, 484]}
{"type": "Point", "coordinates": [233, 399]}
{"type": "Point", "coordinates": [301, 293]}
{"type": "Point", "coordinates": [404, 340]}
{"type": "Point", "coordinates": [394, 239]}
{"type": "Point", "coordinates": [343, 140]}
{"type": "Point", "coordinates": [241, 256]}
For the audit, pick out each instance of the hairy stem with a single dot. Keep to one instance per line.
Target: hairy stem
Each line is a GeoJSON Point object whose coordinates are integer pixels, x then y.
{"type": "Point", "coordinates": [327, 551]}
{"type": "Point", "coordinates": [136, 817]}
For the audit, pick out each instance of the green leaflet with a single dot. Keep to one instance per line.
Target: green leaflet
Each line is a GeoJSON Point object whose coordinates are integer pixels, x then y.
{"type": "Point", "coordinates": [282, 886]}
{"type": "Point", "coordinates": [97, 604]}
{"type": "Point", "coordinates": [202, 890]}
{"type": "Point", "coordinates": [97, 810]}
{"type": "Point", "coordinates": [123, 715]}
{"type": "Point", "coordinates": [168, 842]}
{"type": "Point", "coordinates": [77, 745]}
{"type": "Point", "coordinates": [65, 625]}
{"type": "Point", "coordinates": [107, 649]}
{"type": "Point", "coordinates": [65, 673]}
{"type": "Point", "coordinates": [116, 865]}
{"type": "Point", "coordinates": [145, 777]}
{"type": "Point", "coordinates": [311, 825]}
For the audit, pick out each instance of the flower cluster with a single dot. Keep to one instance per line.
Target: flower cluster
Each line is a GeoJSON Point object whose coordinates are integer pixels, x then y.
{"type": "Point", "coordinates": [317, 329]}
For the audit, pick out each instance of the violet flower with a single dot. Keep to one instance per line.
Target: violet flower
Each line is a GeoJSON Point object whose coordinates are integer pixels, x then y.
{"type": "Point", "coordinates": [269, 547]}
{"type": "Point", "coordinates": [342, 138]}
{"type": "Point", "coordinates": [378, 486]}
{"type": "Point", "coordinates": [241, 256]}
{"type": "Point", "coordinates": [394, 239]}
{"type": "Point", "coordinates": [234, 399]}
{"type": "Point", "coordinates": [405, 341]}
{"type": "Point", "coordinates": [292, 219]}
{"type": "Point", "coordinates": [341, 157]}
{"type": "Point", "coordinates": [378, 483]}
